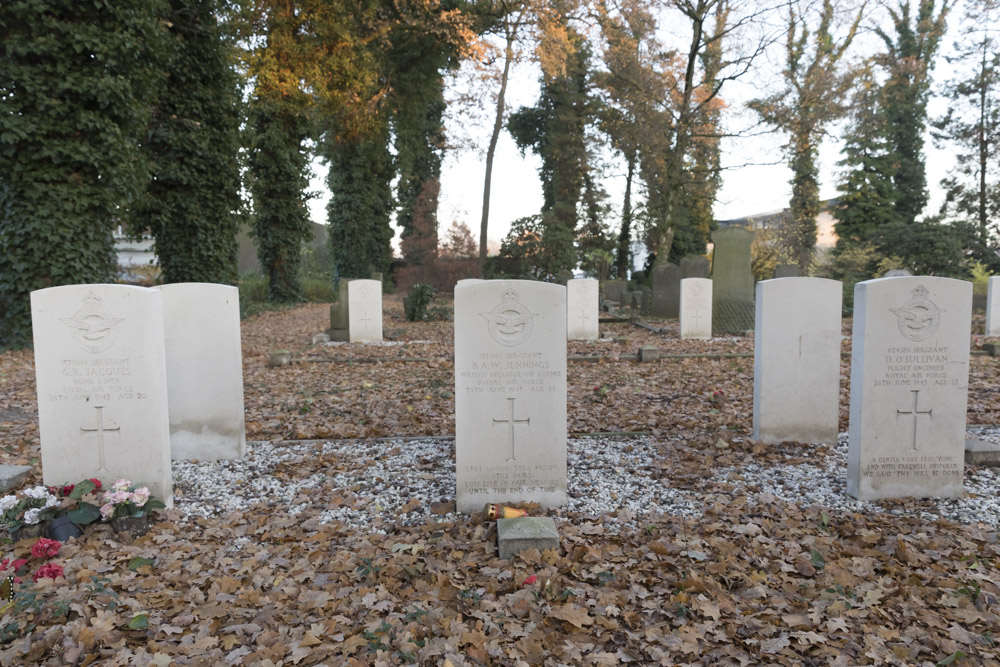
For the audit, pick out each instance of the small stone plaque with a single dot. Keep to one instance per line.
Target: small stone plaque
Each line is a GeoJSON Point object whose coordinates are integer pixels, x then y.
{"type": "Point", "coordinates": [526, 532]}
{"type": "Point", "coordinates": [981, 453]}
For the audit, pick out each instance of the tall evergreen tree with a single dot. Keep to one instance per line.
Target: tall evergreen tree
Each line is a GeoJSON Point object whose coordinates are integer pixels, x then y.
{"type": "Point", "coordinates": [280, 125]}
{"type": "Point", "coordinates": [192, 202]}
{"type": "Point", "coordinates": [971, 128]}
{"type": "Point", "coordinates": [75, 82]}
{"type": "Point", "coordinates": [908, 60]}
{"type": "Point", "coordinates": [360, 210]}
{"type": "Point", "coordinates": [555, 129]}
{"type": "Point", "coordinates": [418, 120]}
{"type": "Point", "coordinates": [866, 202]}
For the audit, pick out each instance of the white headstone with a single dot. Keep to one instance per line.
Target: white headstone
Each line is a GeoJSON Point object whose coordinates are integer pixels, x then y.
{"type": "Point", "coordinates": [796, 369]}
{"type": "Point", "coordinates": [364, 303]}
{"type": "Point", "coordinates": [909, 386]}
{"type": "Point", "coordinates": [582, 306]}
{"type": "Point", "coordinates": [468, 281]}
{"type": "Point", "coordinates": [696, 309]}
{"type": "Point", "coordinates": [102, 385]}
{"type": "Point", "coordinates": [204, 371]}
{"type": "Point", "coordinates": [510, 393]}
{"type": "Point", "coordinates": [993, 306]}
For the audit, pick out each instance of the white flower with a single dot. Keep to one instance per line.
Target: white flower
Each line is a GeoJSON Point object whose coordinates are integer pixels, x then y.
{"type": "Point", "coordinates": [51, 501]}
{"type": "Point", "coordinates": [31, 516]}
{"type": "Point", "coordinates": [7, 502]}
{"type": "Point", "coordinates": [37, 492]}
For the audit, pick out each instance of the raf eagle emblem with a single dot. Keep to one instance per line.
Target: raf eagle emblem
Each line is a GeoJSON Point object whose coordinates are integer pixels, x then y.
{"type": "Point", "coordinates": [93, 328]}
{"type": "Point", "coordinates": [510, 323]}
{"type": "Point", "coordinates": [918, 319]}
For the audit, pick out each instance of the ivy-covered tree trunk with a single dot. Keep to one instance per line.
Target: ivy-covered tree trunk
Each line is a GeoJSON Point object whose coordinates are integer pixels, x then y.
{"type": "Point", "coordinates": [193, 144]}
{"type": "Point", "coordinates": [279, 166]}
{"type": "Point", "coordinates": [360, 211]}
{"type": "Point", "coordinates": [74, 89]}
{"type": "Point", "coordinates": [623, 254]}
{"type": "Point", "coordinates": [420, 142]}
{"type": "Point", "coordinates": [800, 230]}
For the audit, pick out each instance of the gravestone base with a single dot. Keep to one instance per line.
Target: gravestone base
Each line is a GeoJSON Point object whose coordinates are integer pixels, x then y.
{"type": "Point", "coordinates": [12, 477]}
{"type": "Point", "coordinates": [648, 353]}
{"type": "Point", "coordinates": [981, 453]}
{"type": "Point", "coordinates": [526, 532]}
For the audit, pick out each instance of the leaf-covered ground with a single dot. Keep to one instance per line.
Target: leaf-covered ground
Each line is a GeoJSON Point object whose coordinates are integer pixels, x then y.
{"type": "Point", "coordinates": [744, 583]}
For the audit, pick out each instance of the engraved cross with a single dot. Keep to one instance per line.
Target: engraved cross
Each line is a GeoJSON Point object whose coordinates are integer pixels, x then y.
{"type": "Point", "coordinates": [510, 421]}
{"type": "Point", "coordinates": [100, 431]}
{"type": "Point", "coordinates": [583, 318]}
{"type": "Point", "coordinates": [916, 413]}
{"type": "Point", "coordinates": [366, 319]}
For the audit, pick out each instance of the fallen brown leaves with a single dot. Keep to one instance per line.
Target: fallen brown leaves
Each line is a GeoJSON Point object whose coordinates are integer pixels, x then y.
{"type": "Point", "coordinates": [743, 584]}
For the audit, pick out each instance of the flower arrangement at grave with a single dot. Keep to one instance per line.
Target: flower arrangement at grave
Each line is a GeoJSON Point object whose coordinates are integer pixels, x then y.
{"type": "Point", "coordinates": [42, 550]}
{"type": "Point", "coordinates": [35, 506]}
{"type": "Point", "coordinates": [127, 507]}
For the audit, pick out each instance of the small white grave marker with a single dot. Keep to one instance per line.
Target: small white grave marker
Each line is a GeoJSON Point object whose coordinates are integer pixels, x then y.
{"type": "Point", "coordinates": [582, 306]}
{"type": "Point", "coordinates": [696, 309]}
{"type": "Point", "coordinates": [993, 306]}
{"type": "Point", "coordinates": [364, 304]}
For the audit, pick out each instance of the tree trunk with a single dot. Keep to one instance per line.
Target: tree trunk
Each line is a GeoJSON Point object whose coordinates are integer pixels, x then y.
{"type": "Point", "coordinates": [508, 56]}
{"type": "Point", "coordinates": [625, 235]}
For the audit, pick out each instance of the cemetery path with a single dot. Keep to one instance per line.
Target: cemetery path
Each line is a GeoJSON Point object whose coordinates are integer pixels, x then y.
{"type": "Point", "coordinates": [349, 553]}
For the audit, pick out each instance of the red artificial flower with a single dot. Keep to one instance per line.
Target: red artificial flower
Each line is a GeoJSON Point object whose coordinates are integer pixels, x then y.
{"type": "Point", "coordinates": [97, 483]}
{"type": "Point", "coordinates": [18, 564]}
{"type": "Point", "coordinates": [44, 548]}
{"type": "Point", "coordinates": [68, 489]}
{"type": "Point", "coordinates": [529, 581]}
{"type": "Point", "coordinates": [53, 490]}
{"type": "Point", "coordinates": [48, 571]}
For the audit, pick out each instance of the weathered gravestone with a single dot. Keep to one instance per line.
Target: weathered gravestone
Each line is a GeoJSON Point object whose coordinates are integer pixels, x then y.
{"type": "Point", "coordinates": [666, 290]}
{"type": "Point", "coordinates": [204, 371]}
{"type": "Point", "coordinates": [694, 266]}
{"type": "Point", "coordinates": [909, 386]}
{"type": "Point", "coordinates": [364, 309]}
{"type": "Point", "coordinates": [696, 309]}
{"type": "Point", "coordinates": [614, 290]}
{"type": "Point", "coordinates": [582, 309]}
{"type": "Point", "coordinates": [510, 393]}
{"type": "Point", "coordinates": [102, 385]}
{"type": "Point", "coordinates": [786, 271]}
{"type": "Point", "coordinates": [340, 324]}
{"type": "Point", "coordinates": [796, 369]}
{"type": "Point", "coordinates": [993, 307]}
{"type": "Point", "coordinates": [732, 281]}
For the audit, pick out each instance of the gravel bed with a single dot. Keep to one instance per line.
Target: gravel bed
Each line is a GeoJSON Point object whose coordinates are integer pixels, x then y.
{"type": "Point", "coordinates": [381, 483]}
